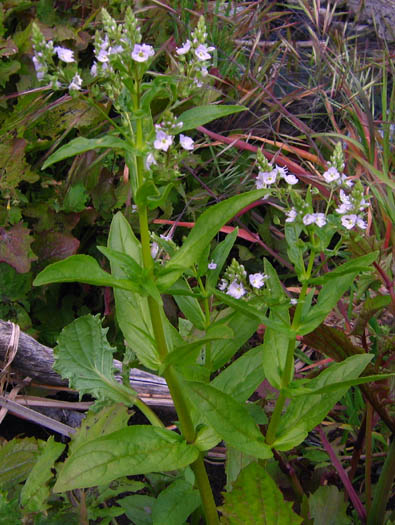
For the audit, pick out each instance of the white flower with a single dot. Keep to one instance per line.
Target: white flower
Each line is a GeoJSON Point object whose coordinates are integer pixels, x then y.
{"type": "Point", "coordinates": [76, 82]}
{"type": "Point", "coordinates": [361, 223]}
{"type": "Point", "coordinates": [293, 301]}
{"type": "Point", "coordinates": [149, 161]}
{"type": "Point", "coordinates": [291, 179]}
{"type": "Point", "coordinates": [331, 174]}
{"type": "Point", "coordinates": [349, 221]}
{"type": "Point", "coordinates": [282, 172]}
{"type": "Point", "coordinates": [184, 48]}
{"type": "Point", "coordinates": [142, 52]}
{"type": "Point", "coordinates": [344, 208]}
{"type": "Point", "coordinates": [134, 208]}
{"type": "Point", "coordinates": [264, 178]}
{"type": "Point", "coordinates": [38, 66]}
{"type": "Point", "coordinates": [236, 290]}
{"type": "Point", "coordinates": [257, 280]}
{"type": "Point", "coordinates": [154, 249]}
{"type": "Point", "coordinates": [291, 215]}
{"type": "Point", "coordinates": [186, 142]}
{"type": "Point", "coordinates": [344, 197]}
{"type": "Point", "coordinates": [315, 218]}
{"type": "Point", "coordinates": [320, 219]}
{"type": "Point", "coordinates": [202, 52]}
{"type": "Point", "coordinates": [163, 141]}
{"type": "Point", "coordinates": [212, 265]}
{"type": "Point", "coordinates": [204, 71]}
{"type": "Point", "coordinates": [116, 50]}
{"type": "Point", "coordinates": [308, 219]}
{"type": "Point", "coordinates": [223, 285]}
{"type": "Point", "coordinates": [66, 55]}
{"type": "Point", "coordinates": [102, 56]}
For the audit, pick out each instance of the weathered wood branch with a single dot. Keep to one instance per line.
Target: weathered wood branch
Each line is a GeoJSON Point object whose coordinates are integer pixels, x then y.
{"type": "Point", "coordinates": [36, 361]}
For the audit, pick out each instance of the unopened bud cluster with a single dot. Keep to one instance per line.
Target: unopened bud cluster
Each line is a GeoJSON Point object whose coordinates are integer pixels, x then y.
{"type": "Point", "coordinates": [237, 283]}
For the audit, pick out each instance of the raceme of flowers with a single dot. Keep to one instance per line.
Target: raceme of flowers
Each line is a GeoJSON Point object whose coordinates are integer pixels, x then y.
{"type": "Point", "coordinates": [236, 284]}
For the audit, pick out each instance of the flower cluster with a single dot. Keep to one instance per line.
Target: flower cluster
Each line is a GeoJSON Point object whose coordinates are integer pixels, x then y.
{"type": "Point", "coordinates": [47, 70]}
{"type": "Point", "coordinates": [194, 58]}
{"type": "Point", "coordinates": [269, 175]}
{"type": "Point", "coordinates": [164, 139]}
{"type": "Point", "coordinates": [236, 284]}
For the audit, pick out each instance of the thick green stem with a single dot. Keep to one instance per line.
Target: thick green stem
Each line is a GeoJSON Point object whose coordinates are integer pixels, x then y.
{"type": "Point", "coordinates": [149, 414]}
{"type": "Point", "coordinates": [289, 362]}
{"type": "Point", "coordinates": [156, 313]}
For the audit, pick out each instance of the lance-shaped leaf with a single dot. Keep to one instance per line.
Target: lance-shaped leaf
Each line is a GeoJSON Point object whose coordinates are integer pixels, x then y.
{"type": "Point", "coordinates": [256, 500]}
{"type": "Point", "coordinates": [243, 376]}
{"type": "Point", "coordinates": [82, 269]}
{"type": "Point", "coordinates": [17, 458]}
{"type": "Point", "coordinates": [176, 503]}
{"type": "Point", "coordinates": [206, 227]}
{"type": "Point", "coordinates": [35, 492]}
{"type": "Point", "coordinates": [84, 357]}
{"type": "Point", "coordinates": [229, 419]}
{"type": "Point", "coordinates": [138, 449]}
{"type": "Point", "coordinates": [82, 145]}
{"type": "Point", "coordinates": [132, 309]}
{"type": "Point", "coordinates": [307, 411]}
{"type": "Point", "coordinates": [192, 118]}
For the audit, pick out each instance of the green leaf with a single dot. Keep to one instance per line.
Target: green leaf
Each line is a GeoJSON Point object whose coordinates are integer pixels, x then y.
{"type": "Point", "coordinates": [35, 491]}
{"type": "Point", "coordinates": [243, 328]}
{"type": "Point", "coordinates": [96, 424]}
{"type": "Point", "coordinates": [206, 227]}
{"type": "Point", "coordinates": [175, 504]}
{"type": "Point", "coordinates": [82, 145]}
{"type": "Point", "coordinates": [256, 500]}
{"type": "Point", "coordinates": [138, 508]}
{"type": "Point", "coordinates": [134, 450]}
{"type": "Point", "coordinates": [189, 306]}
{"type": "Point", "coordinates": [357, 265]}
{"type": "Point", "coordinates": [229, 419]}
{"type": "Point", "coordinates": [75, 199]}
{"type": "Point", "coordinates": [328, 497]}
{"type": "Point", "coordinates": [17, 458]}
{"type": "Point", "coordinates": [132, 309]}
{"type": "Point", "coordinates": [84, 357]}
{"type": "Point", "coordinates": [192, 118]}
{"type": "Point", "coordinates": [275, 347]}
{"type": "Point", "coordinates": [307, 411]}
{"type": "Point", "coordinates": [187, 353]}
{"type": "Point", "coordinates": [243, 376]}
{"type": "Point", "coordinates": [370, 307]}
{"type": "Point", "coordinates": [82, 269]}
{"type": "Point", "coordinates": [236, 461]}
{"type": "Point", "coordinates": [134, 272]}
{"type": "Point", "coordinates": [220, 256]}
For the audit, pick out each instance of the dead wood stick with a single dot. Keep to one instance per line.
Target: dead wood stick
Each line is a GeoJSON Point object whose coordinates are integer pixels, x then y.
{"type": "Point", "coordinates": [36, 361]}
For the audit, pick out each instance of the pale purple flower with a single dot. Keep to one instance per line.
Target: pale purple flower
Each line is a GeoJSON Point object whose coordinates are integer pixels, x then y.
{"type": "Point", "coordinates": [349, 221]}
{"type": "Point", "coordinates": [186, 142]}
{"type": "Point", "coordinates": [331, 174]}
{"type": "Point", "coordinates": [116, 50]}
{"type": "Point", "coordinates": [94, 69]}
{"type": "Point", "coordinates": [76, 82]}
{"type": "Point", "coordinates": [308, 219]}
{"type": "Point", "coordinates": [64, 54]}
{"type": "Point", "coordinates": [257, 280]}
{"type": "Point", "coordinates": [282, 171]}
{"type": "Point", "coordinates": [320, 219]}
{"type": "Point", "coordinates": [154, 249]}
{"type": "Point", "coordinates": [293, 301]}
{"type": "Point", "coordinates": [291, 215]}
{"type": "Point", "coordinates": [223, 285]}
{"type": "Point", "coordinates": [264, 178]}
{"type": "Point", "coordinates": [149, 161]}
{"type": "Point", "coordinates": [102, 56]}
{"type": "Point", "coordinates": [184, 48]}
{"type": "Point", "coordinates": [314, 218]}
{"type": "Point", "coordinates": [202, 52]}
{"type": "Point", "coordinates": [142, 52]}
{"type": "Point", "coordinates": [346, 204]}
{"type": "Point", "coordinates": [212, 265]}
{"type": "Point", "coordinates": [236, 290]}
{"type": "Point", "coordinates": [204, 71]}
{"type": "Point", "coordinates": [291, 179]}
{"type": "Point", "coordinates": [163, 141]}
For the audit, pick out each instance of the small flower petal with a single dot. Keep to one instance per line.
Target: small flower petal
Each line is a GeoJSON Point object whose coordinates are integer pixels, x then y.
{"type": "Point", "coordinates": [212, 265]}
{"type": "Point", "coordinates": [64, 54]}
{"type": "Point", "coordinates": [236, 290]}
{"type": "Point", "coordinates": [186, 142]}
{"type": "Point", "coordinates": [257, 280]}
{"type": "Point", "coordinates": [163, 141]}
{"type": "Point", "coordinates": [184, 48]}
{"type": "Point", "coordinates": [142, 52]}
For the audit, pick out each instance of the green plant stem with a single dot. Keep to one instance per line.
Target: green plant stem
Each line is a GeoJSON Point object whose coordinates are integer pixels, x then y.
{"type": "Point", "coordinates": [383, 489]}
{"type": "Point", "coordinates": [156, 312]}
{"type": "Point", "coordinates": [289, 362]}
{"type": "Point", "coordinates": [149, 413]}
